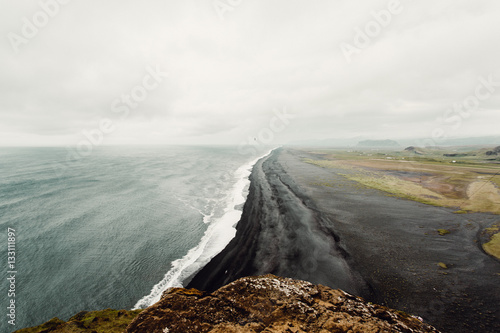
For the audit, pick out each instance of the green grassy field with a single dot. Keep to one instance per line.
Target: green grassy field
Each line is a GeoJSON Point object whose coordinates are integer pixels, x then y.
{"type": "Point", "coordinates": [468, 182]}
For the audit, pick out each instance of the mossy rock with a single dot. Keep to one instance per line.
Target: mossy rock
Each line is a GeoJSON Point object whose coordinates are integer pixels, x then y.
{"type": "Point", "coordinates": [443, 232]}
{"type": "Point", "coordinates": [187, 292]}
{"type": "Point", "coordinates": [79, 316]}
{"type": "Point", "coordinates": [52, 324]}
{"type": "Point", "coordinates": [442, 265]}
{"type": "Point", "coordinates": [109, 320]}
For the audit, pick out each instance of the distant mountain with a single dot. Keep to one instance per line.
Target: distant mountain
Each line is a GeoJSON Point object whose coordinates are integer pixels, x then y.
{"type": "Point", "coordinates": [378, 143]}
{"type": "Point", "coordinates": [414, 150]}
{"type": "Point", "coordinates": [495, 151]}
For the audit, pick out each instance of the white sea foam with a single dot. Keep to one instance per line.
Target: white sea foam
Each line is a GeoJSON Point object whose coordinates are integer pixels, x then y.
{"type": "Point", "coordinates": [219, 233]}
{"type": "Point", "coordinates": [206, 217]}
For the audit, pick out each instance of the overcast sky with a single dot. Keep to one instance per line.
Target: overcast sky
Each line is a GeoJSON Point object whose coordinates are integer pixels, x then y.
{"type": "Point", "coordinates": [329, 68]}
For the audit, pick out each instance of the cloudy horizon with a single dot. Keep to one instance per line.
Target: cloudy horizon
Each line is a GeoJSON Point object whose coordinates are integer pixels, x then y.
{"type": "Point", "coordinates": [227, 71]}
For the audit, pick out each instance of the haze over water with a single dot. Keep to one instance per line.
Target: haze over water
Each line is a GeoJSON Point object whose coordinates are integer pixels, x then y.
{"type": "Point", "coordinates": [105, 232]}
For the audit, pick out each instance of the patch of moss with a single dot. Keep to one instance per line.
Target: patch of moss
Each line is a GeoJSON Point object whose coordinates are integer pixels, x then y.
{"type": "Point", "coordinates": [493, 246]}
{"type": "Point", "coordinates": [461, 211]}
{"type": "Point", "coordinates": [493, 229]}
{"type": "Point", "coordinates": [52, 324]}
{"type": "Point", "coordinates": [403, 314]}
{"type": "Point", "coordinates": [442, 265]}
{"type": "Point", "coordinates": [87, 321]}
{"type": "Point", "coordinates": [443, 232]}
{"type": "Point", "coordinates": [110, 321]}
{"type": "Point", "coordinates": [187, 292]}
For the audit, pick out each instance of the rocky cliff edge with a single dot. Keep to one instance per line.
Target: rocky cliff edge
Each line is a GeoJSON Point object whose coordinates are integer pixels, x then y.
{"type": "Point", "coordinates": [270, 304]}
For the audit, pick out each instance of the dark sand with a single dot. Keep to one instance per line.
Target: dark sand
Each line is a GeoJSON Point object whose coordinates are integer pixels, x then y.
{"type": "Point", "coordinates": [346, 236]}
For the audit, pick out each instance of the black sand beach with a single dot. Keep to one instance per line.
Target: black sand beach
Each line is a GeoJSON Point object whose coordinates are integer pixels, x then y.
{"type": "Point", "coordinates": [363, 241]}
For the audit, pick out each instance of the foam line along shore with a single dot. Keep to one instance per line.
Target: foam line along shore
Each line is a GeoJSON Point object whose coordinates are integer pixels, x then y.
{"type": "Point", "coordinates": [220, 231]}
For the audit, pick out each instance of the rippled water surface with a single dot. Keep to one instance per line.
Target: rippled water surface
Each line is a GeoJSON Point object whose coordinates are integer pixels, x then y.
{"type": "Point", "coordinates": [115, 228]}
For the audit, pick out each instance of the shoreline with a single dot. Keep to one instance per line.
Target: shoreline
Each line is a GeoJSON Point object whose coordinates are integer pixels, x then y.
{"type": "Point", "coordinates": [343, 235]}
{"type": "Point", "coordinates": [218, 234]}
{"type": "Point", "coordinates": [307, 248]}
{"type": "Point", "coordinates": [382, 248]}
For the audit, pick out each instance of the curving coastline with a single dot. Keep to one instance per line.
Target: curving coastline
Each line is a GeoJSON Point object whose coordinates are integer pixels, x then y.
{"type": "Point", "coordinates": [218, 234]}
{"type": "Point", "coordinates": [346, 236]}
{"type": "Point", "coordinates": [341, 235]}
{"type": "Point", "coordinates": [282, 233]}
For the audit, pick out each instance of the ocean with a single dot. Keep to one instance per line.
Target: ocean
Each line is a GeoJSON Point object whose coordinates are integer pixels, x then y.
{"type": "Point", "coordinates": [115, 228]}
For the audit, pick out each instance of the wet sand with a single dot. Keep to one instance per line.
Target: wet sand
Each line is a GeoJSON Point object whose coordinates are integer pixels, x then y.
{"type": "Point", "coordinates": [347, 236]}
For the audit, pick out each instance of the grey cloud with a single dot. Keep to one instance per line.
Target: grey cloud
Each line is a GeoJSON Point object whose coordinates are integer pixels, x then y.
{"type": "Point", "coordinates": [227, 76]}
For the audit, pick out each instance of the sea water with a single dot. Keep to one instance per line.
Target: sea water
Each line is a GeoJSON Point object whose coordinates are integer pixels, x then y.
{"type": "Point", "coordinates": [115, 228]}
